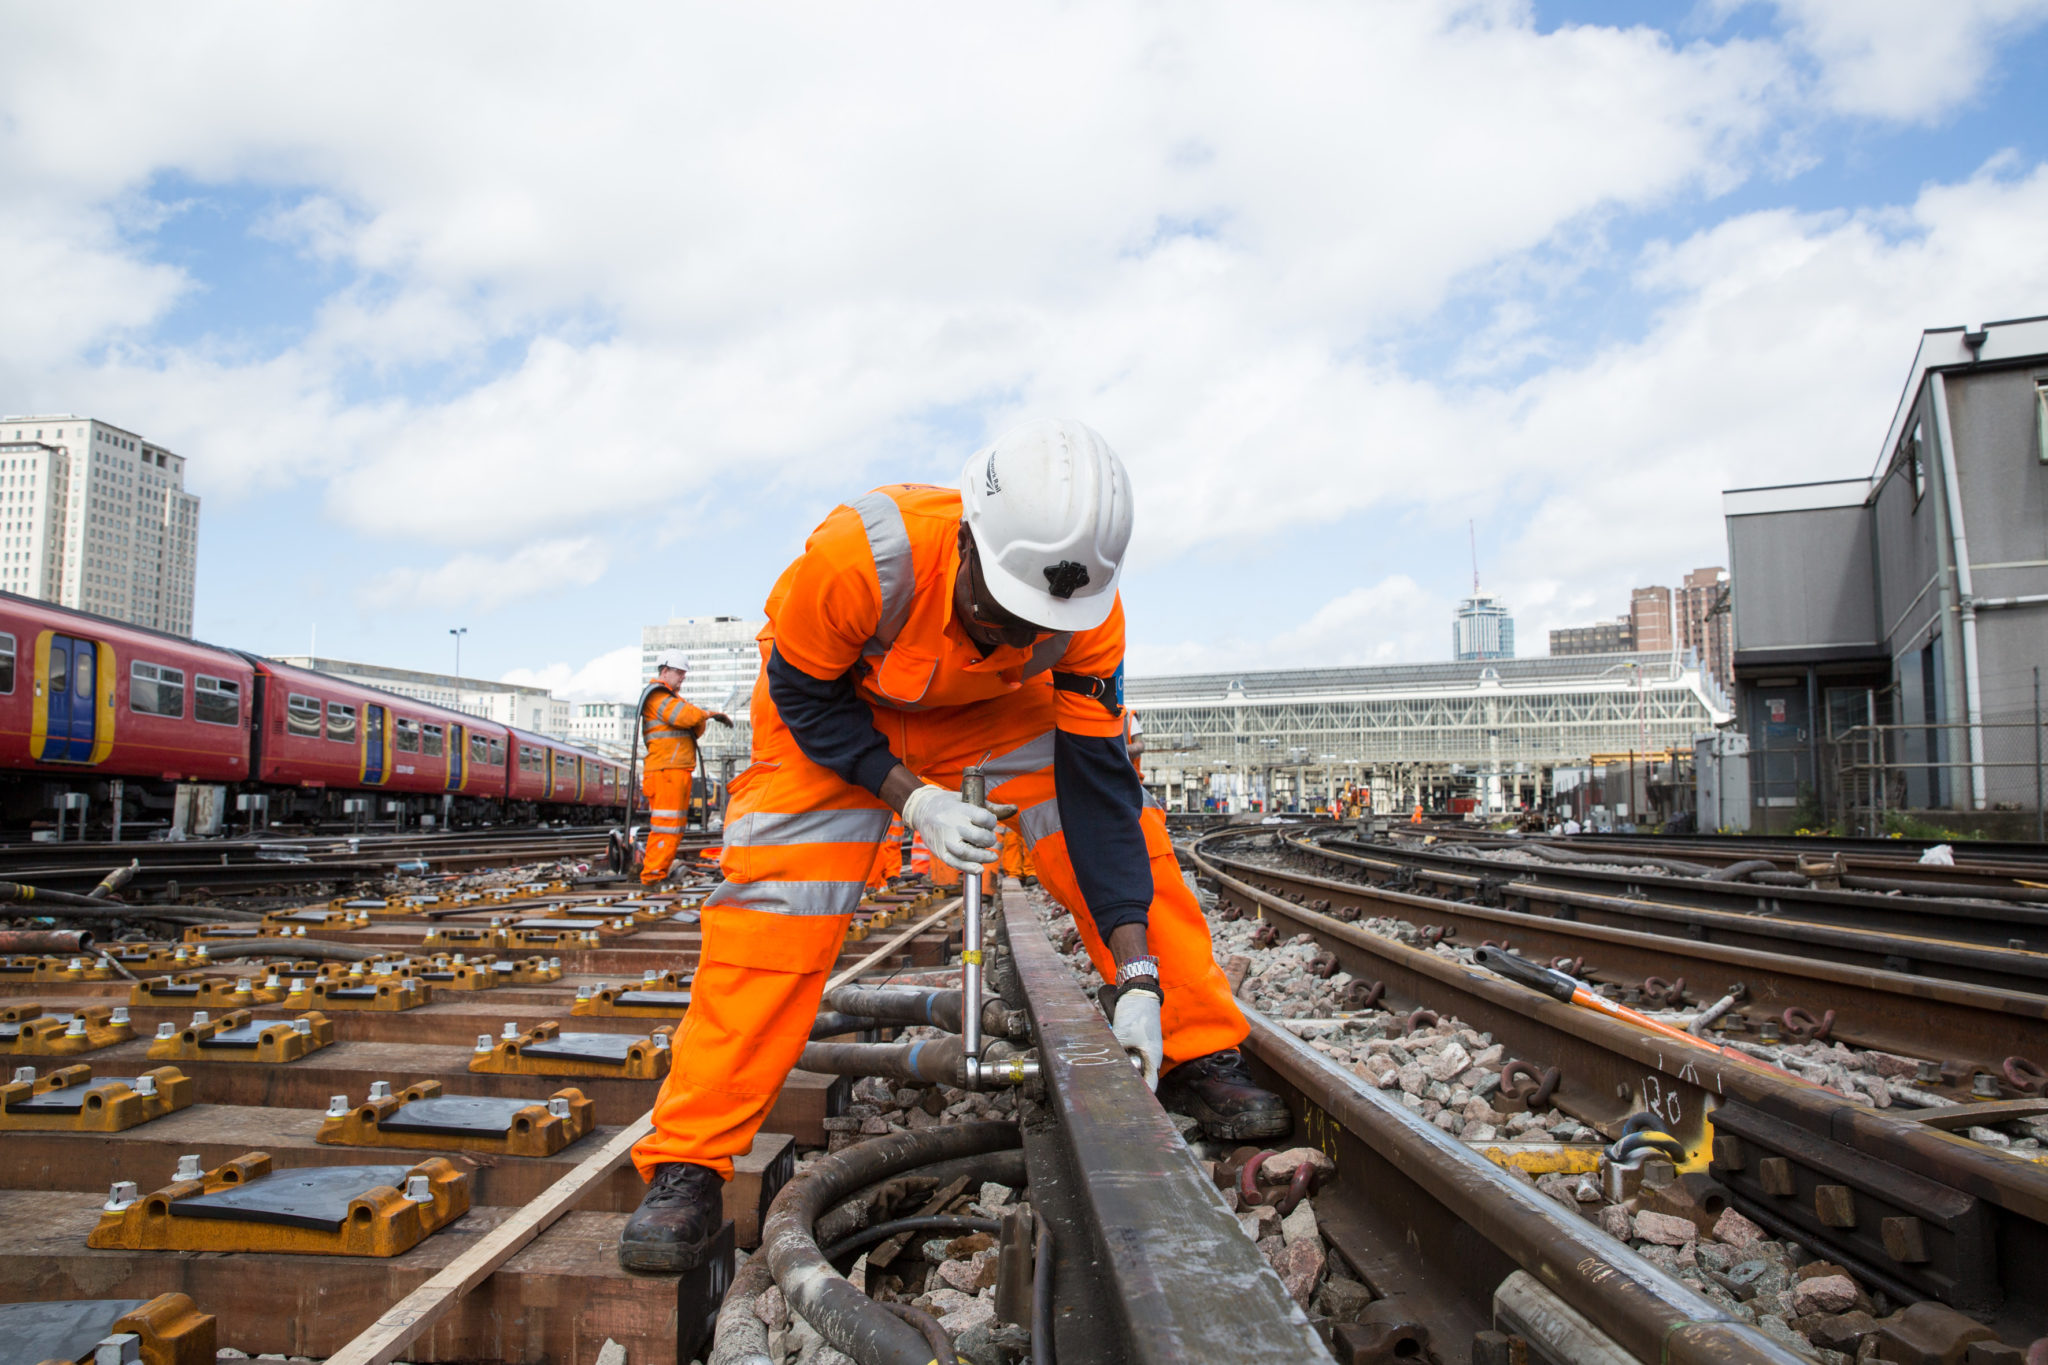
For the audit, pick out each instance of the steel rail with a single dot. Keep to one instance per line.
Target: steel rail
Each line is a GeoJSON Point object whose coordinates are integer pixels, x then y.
{"type": "Point", "coordinates": [1893, 1011]}
{"type": "Point", "coordinates": [1434, 1227]}
{"type": "Point", "coordinates": [1669, 905]}
{"type": "Point", "coordinates": [1983, 1215]}
{"type": "Point", "coordinates": [1977, 863]}
{"type": "Point", "coordinates": [1148, 1264]}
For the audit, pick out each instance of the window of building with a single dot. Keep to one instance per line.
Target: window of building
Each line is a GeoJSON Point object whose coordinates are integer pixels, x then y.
{"type": "Point", "coordinates": [341, 722]}
{"type": "Point", "coordinates": [1916, 468]}
{"type": "Point", "coordinates": [155, 690]}
{"type": "Point", "coordinates": [2041, 420]}
{"type": "Point", "coordinates": [217, 701]}
{"type": "Point", "coordinates": [430, 740]}
{"type": "Point", "coordinates": [408, 732]}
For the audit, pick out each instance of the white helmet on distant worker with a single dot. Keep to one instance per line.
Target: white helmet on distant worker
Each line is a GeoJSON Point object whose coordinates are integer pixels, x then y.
{"type": "Point", "coordinates": [1049, 506]}
{"type": "Point", "coordinates": [672, 658]}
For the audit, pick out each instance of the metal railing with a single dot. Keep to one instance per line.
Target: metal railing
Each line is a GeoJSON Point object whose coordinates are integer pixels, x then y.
{"type": "Point", "coordinates": [1879, 770]}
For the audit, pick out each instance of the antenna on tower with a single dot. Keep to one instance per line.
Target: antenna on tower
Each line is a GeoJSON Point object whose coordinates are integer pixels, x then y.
{"type": "Point", "coordinates": [1472, 534]}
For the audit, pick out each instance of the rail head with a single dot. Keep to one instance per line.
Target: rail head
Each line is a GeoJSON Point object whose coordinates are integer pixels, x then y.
{"type": "Point", "coordinates": [1177, 1271]}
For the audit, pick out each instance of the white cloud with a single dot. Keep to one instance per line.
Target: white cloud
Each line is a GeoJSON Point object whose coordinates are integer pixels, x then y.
{"type": "Point", "coordinates": [1904, 59]}
{"type": "Point", "coordinates": [765, 252]}
{"type": "Point", "coordinates": [1391, 621]}
{"type": "Point", "coordinates": [611, 676]}
{"type": "Point", "coordinates": [533, 571]}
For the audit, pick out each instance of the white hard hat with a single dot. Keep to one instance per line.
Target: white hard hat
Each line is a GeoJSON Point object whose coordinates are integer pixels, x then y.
{"type": "Point", "coordinates": [1049, 506]}
{"type": "Point", "coordinates": [672, 658]}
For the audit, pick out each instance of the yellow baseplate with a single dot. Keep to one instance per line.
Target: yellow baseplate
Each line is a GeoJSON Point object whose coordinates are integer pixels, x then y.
{"type": "Point", "coordinates": [391, 993]}
{"type": "Point", "coordinates": [87, 1030]}
{"type": "Point", "coordinates": [381, 1221]}
{"type": "Point", "coordinates": [108, 1107]}
{"type": "Point", "coordinates": [554, 940]}
{"type": "Point", "coordinates": [215, 992]}
{"type": "Point", "coordinates": [646, 1058]}
{"type": "Point", "coordinates": [55, 969]}
{"type": "Point", "coordinates": [604, 1004]}
{"type": "Point", "coordinates": [535, 1130]}
{"type": "Point", "coordinates": [462, 976]}
{"type": "Point", "coordinates": [465, 937]}
{"type": "Point", "coordinates": [169, 1330]}
{"type": "Point", "coordinates": [280, 1040]}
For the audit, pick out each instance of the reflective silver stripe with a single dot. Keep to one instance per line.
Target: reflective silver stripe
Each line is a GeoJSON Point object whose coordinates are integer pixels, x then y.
{"type": "Point", "coordinates": [889, 543]}
{"type": "Point", "coordinates": [1041, 821]}
{"type": "Point", "coordinates": [759, 829]}
{"type": "Point", "coordinates": [1025, 758]}
{"type": "Point", "coordinates": [1046, 653]}
{"type": "Point", "coordinates": [790, 898]}
{"type": "Point", "coordinates": [672, 814]}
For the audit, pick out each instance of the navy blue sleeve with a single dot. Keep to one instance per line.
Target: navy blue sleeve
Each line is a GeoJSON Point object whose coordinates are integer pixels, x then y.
{"type": "Point", "coordinates": [1100, 799]}
{"type": "Point", "coordinates": [831, 724]}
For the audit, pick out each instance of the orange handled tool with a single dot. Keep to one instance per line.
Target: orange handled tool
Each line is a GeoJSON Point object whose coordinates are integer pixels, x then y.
{"type": "Point", "coordinates": [1568, 988]}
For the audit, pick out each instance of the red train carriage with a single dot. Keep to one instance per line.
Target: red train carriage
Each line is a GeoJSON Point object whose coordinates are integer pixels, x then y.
{"type": "Point", "coordinates": [86, 702]}
{"type": "Point", "coordinates": [84, 699]}
{"type": "Point", "coordinates": [322, 736]}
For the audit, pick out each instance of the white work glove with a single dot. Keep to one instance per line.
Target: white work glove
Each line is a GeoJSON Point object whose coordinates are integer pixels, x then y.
{"type": "Point", "coordinates": [959, 835]}
{"type": "Point", "coordinates": [1137, 1027]}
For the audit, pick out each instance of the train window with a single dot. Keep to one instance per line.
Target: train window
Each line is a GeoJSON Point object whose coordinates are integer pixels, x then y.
{"type": "Point", "coordinates": [156, 691]}
{"type": "Point", "coordinates": [6, 663]}
{"type": "Point", "coordinates": [430, 740]}
{"type": "Point", "coordinates": [60, 670]}
{"type": "Point", "coordinates": [408, 736]}
{"type": "Point", "coordinates": [529, 759]}
{"type": "Point", "coordinates": [302, 716]}
{"type": "Point", "coordinates": [478, 749]}
{"type": "Point", "coordinates": [216, 701]}
{"type": "Point", "coordinates": [498, 753]}
{"type": "Point", "coordinates": [341, 722]}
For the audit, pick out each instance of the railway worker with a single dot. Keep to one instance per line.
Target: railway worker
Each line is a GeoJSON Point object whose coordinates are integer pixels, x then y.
{"type": "Point", "coordinates": [670, 727]}
{"type": "Point", "coordinates": [923, 630]}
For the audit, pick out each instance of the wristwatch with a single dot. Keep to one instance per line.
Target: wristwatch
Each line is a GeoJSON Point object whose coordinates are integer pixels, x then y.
{"type": "Point", "coordinates": [1137, 966]}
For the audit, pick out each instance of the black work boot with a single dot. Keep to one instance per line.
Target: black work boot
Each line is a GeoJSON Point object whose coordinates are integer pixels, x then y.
{"type": "Point", "coordinates": [680, 1213]}
{"type": "Point", "coordinates": [1218, 1090]}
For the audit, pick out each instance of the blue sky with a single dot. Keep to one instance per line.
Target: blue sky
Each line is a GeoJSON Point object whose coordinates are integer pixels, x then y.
{"type": "Point", "coordinates": [554, 333]}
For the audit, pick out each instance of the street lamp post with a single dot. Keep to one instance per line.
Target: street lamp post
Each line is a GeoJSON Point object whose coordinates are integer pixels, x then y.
{"type": "Point", "coordinates": [458, 632]}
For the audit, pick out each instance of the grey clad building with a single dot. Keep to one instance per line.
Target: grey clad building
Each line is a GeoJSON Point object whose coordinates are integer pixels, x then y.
{"type": "Point", "coordinates": [1890, 629]}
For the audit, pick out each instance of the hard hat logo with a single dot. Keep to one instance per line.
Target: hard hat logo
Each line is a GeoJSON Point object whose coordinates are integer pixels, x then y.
{"type": "Point", "coordinates": [990, 483]}
{"type": "Point", "coordinates": [1064, 577]}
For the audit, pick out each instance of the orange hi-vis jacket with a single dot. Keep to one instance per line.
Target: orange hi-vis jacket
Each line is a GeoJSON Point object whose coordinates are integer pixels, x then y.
{"type": "Point", "coordinates": [670, 727]}
{"type": "Point", "coordinates": [847, 605]}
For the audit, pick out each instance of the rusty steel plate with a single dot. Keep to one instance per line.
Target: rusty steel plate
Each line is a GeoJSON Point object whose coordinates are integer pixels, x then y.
{"type": "Point", "coordinates": [314, 1197]}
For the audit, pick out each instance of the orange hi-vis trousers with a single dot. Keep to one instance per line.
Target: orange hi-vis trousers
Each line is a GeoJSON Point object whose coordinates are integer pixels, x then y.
{"type": "Point", "coordinates": [799, 843]}
{"type": "Point", "coordinates": [668, 800]}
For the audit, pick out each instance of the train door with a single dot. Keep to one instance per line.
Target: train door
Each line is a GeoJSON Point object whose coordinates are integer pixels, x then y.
{"type": "Point", "coordinates": [458, 757]}
{"type": "Point", "coordinates": [73, 695]}
{"type": "Point", "coordinates": [548, 787]}
{"type": "Point", "coordinates": [373, 745]}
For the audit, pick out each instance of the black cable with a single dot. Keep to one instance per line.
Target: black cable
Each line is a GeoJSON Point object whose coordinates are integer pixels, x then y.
{"type": "Point", "coordinates": [1041, 1297]}
{"type": "Point", "coordinates": [936, 1222]}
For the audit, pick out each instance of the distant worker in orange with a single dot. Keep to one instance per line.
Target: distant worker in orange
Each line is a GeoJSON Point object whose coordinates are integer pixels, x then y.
{"type": "Point", "coordinates": [670, 727]}
{"type": "Point", "coordinates": [925, 630]}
